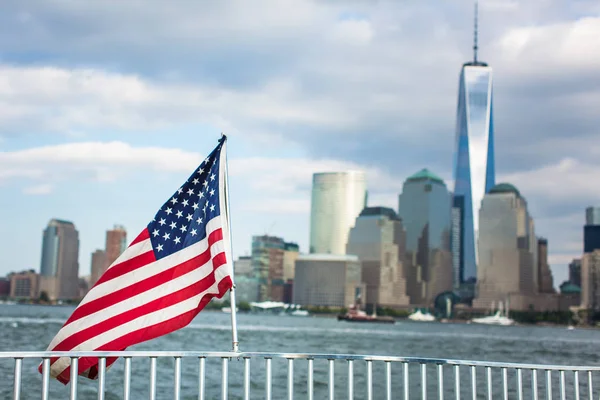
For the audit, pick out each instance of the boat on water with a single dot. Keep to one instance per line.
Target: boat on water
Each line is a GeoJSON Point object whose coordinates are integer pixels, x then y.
{"type": "Point", "coordinates": [355, 314]}
{"type": "Point", "coordinates": [500, 317]}
{"type": "Point", "coordinates": [421, 317]}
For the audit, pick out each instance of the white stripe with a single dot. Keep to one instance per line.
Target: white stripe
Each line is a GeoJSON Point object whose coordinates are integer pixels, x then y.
{"type": "Point", "coordinates": [133, 251]}
{"type": "Point", "coordinates": [144, 321]}
{"type": "Point", "coordinates": [130, 303]}
{"type": "Point", "coordinates": [153, 268]}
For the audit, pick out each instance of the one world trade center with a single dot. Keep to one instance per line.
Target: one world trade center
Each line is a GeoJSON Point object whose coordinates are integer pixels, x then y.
{"type": "Point", "coordinates": [474, 171]}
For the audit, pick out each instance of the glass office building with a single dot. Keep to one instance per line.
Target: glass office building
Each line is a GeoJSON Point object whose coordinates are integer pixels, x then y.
{"type": "Point", "coordinates": [337, 199]}
{"type": "Point", "coordinates": [474, 168]}
{"type": "Point", "coordinates": [424, 207]}
{"type": "Point", "coordinates": [60, 265]}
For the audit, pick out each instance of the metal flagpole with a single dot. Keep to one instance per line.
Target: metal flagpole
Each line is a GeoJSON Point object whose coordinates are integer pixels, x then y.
{"type": "Point", "coordinates": [234, 336]}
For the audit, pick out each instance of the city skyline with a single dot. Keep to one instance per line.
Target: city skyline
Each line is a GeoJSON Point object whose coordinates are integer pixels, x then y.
{"type": "Point", "coordinates": [98, 136]}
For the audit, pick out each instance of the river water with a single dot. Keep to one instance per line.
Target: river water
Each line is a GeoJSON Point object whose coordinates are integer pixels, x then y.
{"type": "Point", "coordinates": [31, 328]}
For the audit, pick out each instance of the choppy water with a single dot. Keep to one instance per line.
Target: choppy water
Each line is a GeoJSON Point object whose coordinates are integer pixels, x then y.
{"type": "Point", "coordinates": [32, 327]}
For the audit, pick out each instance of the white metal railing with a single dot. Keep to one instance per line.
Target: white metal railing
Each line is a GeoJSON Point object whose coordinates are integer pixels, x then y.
{"type": "Point", "coordinates": [497, 381]}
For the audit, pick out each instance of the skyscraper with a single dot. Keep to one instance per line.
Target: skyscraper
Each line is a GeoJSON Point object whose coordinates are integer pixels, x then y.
{"type": "Point", "coordinates": [337, 199]}
{"type": "Point", "coordinates": [98, 266]}
{"type": "Point", "coordinates": [424, 207]}
{"type": "Point", "coordinates": [378, 239]}
{"type": "Point", "coordinates": [507, 250]}
{"type": "Point", "coordinates": [60, 266]}
{"type": "Point", "coordinates": [474, 168]}
{"type": "Point", "coordinates": [116, 243]}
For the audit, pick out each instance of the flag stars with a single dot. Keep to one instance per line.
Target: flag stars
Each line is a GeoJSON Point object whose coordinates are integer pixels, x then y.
{"type": "Point", "coordinates": [174, 200]}
{"type": "Point", "coordinates": [212, 207]}
{"type": "Point", "coordinates": [179, 214]}
{"type": "Point", "coordinates": [190, 192]}
{"type": "Point", "coordinates": [212, 192]}
{"type": "Point", "coordinates": [179, 190]}
{"type": "Point", "coordinates": [185, 203]}
{"type": "Point", "coordinates": [212, 177]}
{"type": "Point", "coordinates": [169, 210]}
{"type": "Point", "coordinates": [183, 228]}
{"type": "Point", "coordinates": [177, 240]}
{"type": "Point", "coordinates": [155, 233]}
{"type": "Point", "coordinates": [173, 225]}
{"type": "Point", "coordinates": [205, 183]}
{"type": "Point", "coordinates": [195, 181]}
{"type": "Point", "coordinates": [200, 171]}
{"type": "Point", "coordinates": [200, 194]}
{"type": "Point", "coordinates": [199, 220]}
{"type": "Point", "coordinates": [167, 236]}
{"type": "Point", "coordinates": [162, 221]}
{"type": "Point", "coordinates": [193, 232]}
{"type": "Point", "coordinates": [195, 206]}
{"type": "Point", "coordinates": [189, 217]}
{"type": "Point", "coordinates": [159, 247]}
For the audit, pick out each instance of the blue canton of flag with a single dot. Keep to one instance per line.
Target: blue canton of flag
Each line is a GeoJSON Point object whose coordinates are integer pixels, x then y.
{"type": "Point", "coordinates": [182, 220]}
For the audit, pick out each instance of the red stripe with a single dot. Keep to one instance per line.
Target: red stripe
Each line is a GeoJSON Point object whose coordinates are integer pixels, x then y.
{"type": "Point", "coordinates": [145, 234]}
{"type": "Point", "coordinates": [149, 283]}
{"type": "Point", "coordinates": [145, 334]}
{"type": "Point", "coordinates": [127, 266]}
{"type": "Point", "coordinates": [155, 305]}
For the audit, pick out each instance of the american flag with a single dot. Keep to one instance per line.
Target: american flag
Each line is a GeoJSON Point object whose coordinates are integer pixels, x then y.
{"type": "Point", "coordinates": [166, 276]}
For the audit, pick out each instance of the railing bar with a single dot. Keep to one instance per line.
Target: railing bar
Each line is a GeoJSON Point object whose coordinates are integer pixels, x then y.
{"type": "Point", "coordinates": [548, 385]}
{"type": "Point", "coordinates": [406, 387]}
{"type": "Point", "coordinates": [74, 376]}
{"type": "Point", "coordinates": [201, 374]}
{"type": "Point", "coordinates": [177, 379]}
{"type": "Point", "coordinates": [268, 383]}
{"type": "Point", "coordinates": [127, 379]}
{"type": "Point", "coordinates": [457, 382]}
{"type": "Point", "coordinates": [440, 369]}
{"type": "Point", "coordinates": [247, 378]}
{"type": "Point", "coordinates": [350, 379]}
{"type": "Point", "coordinates": [46, 379]}
{"type": "Point", "coordinates": [388, 379]}
{"type": "Point", "coordinates": [590, 386]}
{"type": "Point", "coordinates": [563, 393]}
{"type": "Point", "coordinates": [290, 379]}
{"type": "Point", "coordinates": [473, 382]}
{"type": "Point", "coordinates": [331, 380]}
{"type": "Point", "coordinates": [505, 383]}
{"type": "Point", "coordinates": [369, 380]}
{"type": "Point", "coordinates": [152, 378]}
{"type": "Point", "coordinates": [534, 384]}
{"type": "Point", "coordinates": [224, 378]}
{"type": "Point", "coordinates": [576, 384]}
{"type": "Point", "coordinates": [17, 382]}
{"type": "Point", "coordinates": [519, 383]}
{"type": "Point", "coordinates": [310, 379]}
{"type": "Point", "coordinates": [101, 377]}
{"type": "Point", "coordinates": [424, 381]}
{"type": "Point", "coordinates": [488, 372]}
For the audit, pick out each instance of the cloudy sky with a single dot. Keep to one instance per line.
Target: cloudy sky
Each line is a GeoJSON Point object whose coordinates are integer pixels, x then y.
{"type": "Point", "coordinates": [106, 107]}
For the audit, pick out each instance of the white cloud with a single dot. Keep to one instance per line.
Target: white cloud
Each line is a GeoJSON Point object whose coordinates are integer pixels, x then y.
{"type": "Point", "coordinates": [567, 179]}
{"type": "Point", "coordinates": [353, 32]}
{"type": "Point", "coordinates": [44, 188]}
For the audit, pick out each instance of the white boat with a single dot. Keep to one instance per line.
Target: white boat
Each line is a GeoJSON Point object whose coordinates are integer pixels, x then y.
{"type": "Point", "coordinates": [299, 313]}
{"type": "Point", "coordinates": [227, 310]}
{"type": "Point", "coordinates": [500, 317]}
{"type": "Point", "coordinates": [421, 317]}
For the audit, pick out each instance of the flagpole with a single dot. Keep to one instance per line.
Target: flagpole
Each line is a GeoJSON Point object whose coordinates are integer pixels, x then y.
{"type": "Point", "coordinates": [234, 335]}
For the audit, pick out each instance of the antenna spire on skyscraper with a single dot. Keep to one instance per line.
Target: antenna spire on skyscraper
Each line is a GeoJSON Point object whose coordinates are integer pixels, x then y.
{"type": "Point", "coordinates": [475, 47]}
